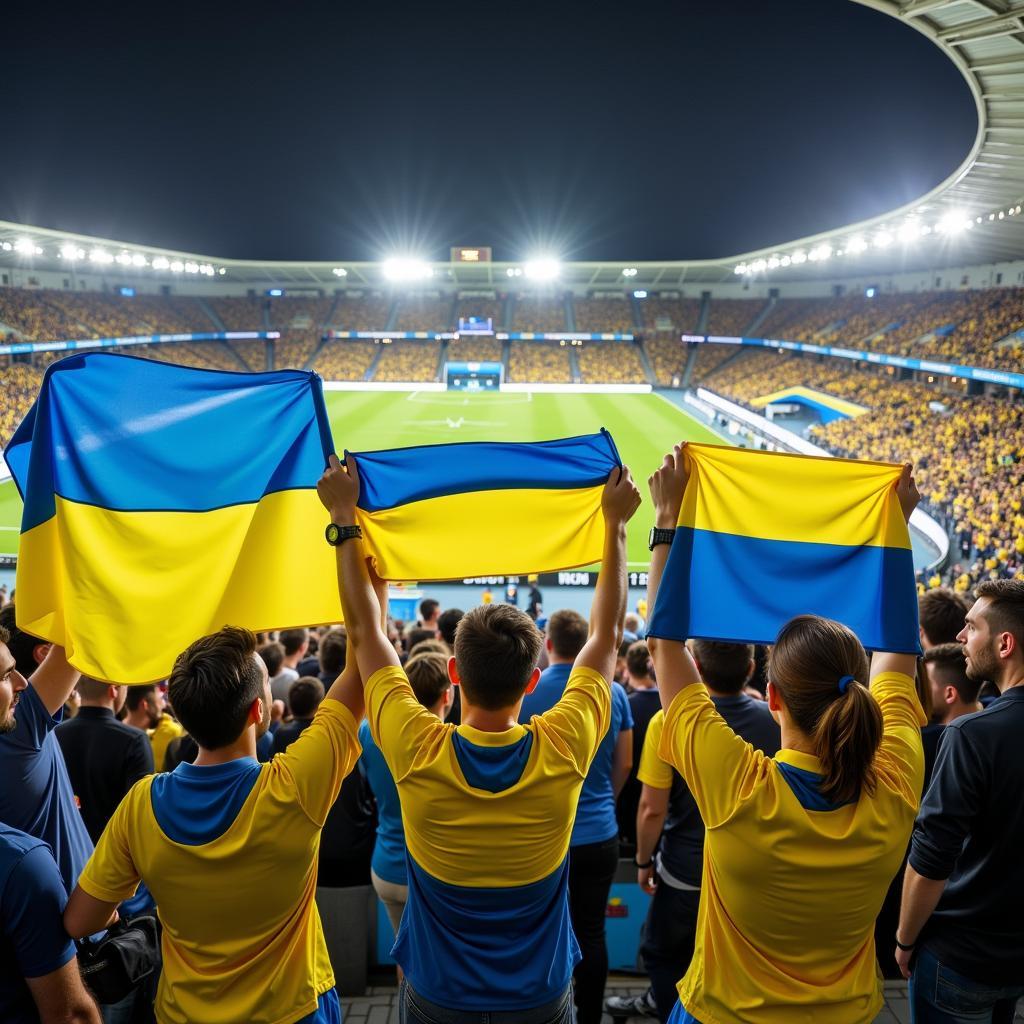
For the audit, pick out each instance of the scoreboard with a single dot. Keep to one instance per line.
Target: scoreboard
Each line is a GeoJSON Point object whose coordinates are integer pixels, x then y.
{"type": "Point", "coordinates": [474, 376]}
{"type": "Point", "coordinates": [471, 254]}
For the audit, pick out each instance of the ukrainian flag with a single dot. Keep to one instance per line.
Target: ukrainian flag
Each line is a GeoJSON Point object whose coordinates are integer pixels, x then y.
{"type": "Point", "coordinates": [482, 508]}
{"type": "Point", "coordinates": [162, 503]}
{"type": "Point", "coordinates": [764, 536]}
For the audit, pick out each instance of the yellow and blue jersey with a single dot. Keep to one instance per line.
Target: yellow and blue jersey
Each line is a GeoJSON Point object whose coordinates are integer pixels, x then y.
{"type": "Point", "coordinates": [230, 854]}
{"type": "Point", "coordinates": [488, 818]}
{"type": "Point", "coordinates": [791, 884]}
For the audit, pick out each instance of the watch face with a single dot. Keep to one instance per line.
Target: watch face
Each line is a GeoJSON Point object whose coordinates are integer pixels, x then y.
{"type": "Point", "coordinates": [333, 533]}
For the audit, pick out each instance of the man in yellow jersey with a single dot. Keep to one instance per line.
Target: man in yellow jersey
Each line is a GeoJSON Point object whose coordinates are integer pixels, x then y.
{"type": "Point", "coordinates": [229, 847]}
{"type": "Point", "coordinates": [488, 805]}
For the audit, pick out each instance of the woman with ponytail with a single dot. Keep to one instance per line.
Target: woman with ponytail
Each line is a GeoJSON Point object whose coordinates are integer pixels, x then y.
{"type": "Point", "coordinates": [800, 848]}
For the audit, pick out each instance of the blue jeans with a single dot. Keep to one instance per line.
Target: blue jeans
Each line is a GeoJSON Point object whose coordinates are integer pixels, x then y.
{"type": "Point", "coordinates": [938, 995]}
{"type": "Point", "coordinates": [414, 1009]}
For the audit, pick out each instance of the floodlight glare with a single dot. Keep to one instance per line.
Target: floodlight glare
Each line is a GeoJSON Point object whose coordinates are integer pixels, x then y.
{"type": "Point", "coordinates": [26, 246]}
{"type": "Point", "coordinates": [339, 272]}
{"type": "Point", "coordinates": [740, 268]}
{"type": "Point", "coordinates": [124, 259]}
{"type": "Point", "coordinates": [954, 222]}
{"type": "Point", "coordinates": [138, 260]}
{"type": "Point", "coordinates": [545, 268]}
{"type": "Point", "coordinates": [759, 266]}
{"type": "Point", "coordinates": [909, 231]}
{"type": "Point", "coordinates": [786, 260]}
{"type": "Point", "coordinates": [641, 294]}
{"type": "Point", "coordinates": [161, 263]}
{"type": "Point", "coordinates": [404, 268]}
{"type": "Point", "coordinates": [177, 266]}
{"type": "Point", "coordinates": [883, 240]}
{"type": "Point", "coordinates": [773, 262]}
{"type": "Point", "coordinates": [629, 272]}
{"type": "Point", "coordinates": [856, 244]}
{"type": "Point", "coordinates": [799, 257]}
{"type": "Point", "coordinates": [100, 256]}
{"type": "Point", "coordinates": [72, 252]}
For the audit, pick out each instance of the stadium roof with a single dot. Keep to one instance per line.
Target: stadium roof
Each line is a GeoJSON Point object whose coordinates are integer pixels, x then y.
{"type": "Point", "coordinates": [974, 216]}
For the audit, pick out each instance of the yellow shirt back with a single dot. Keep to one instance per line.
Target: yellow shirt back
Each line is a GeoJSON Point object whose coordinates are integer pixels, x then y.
{"type": "Point", "coordinates": [242, 939]}
{"type": "Point", "coordinates": [789, 894]}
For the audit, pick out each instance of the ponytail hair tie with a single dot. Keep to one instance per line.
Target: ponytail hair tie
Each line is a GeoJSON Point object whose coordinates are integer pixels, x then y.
{"type": "Point", "coordinates": [844, 683]}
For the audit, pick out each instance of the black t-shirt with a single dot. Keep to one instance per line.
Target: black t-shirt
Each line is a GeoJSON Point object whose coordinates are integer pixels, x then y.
{"type": "Point", "coordinates": [682, 838]}
{"type": "Point", "coordinates": [105, 758]}
{"type": "Point", "coordinates": [644, 705]}
{"type": "Point", "coordinates": [970, 830]}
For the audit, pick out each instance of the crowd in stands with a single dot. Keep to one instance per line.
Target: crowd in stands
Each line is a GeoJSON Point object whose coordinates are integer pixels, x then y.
{"type": "Point", "coordinates": [667, 356]}
{"type": "Point", "coordinates": [610, 362]}
{"type": "Point", "coordinates": [346, 359]}
{"type": "Point", "coordinates": [365, 313]}
{"type": "Point", "coordinates": [295, 348]}
{"type": "Point", "coordinates": [667, 314]}
{"type": "Point", "coordinates": [299, 312]}
{"type": "Point", "coordinates": [20, 385]}
{"type": "Point", "coordinates": [408, 361]}
{"type": "Point", "coordinates": [479, 349]}
{"type": "Point", "coordinates": [540, 361]}
{"type": "Point", "coordinates": [493, 309]}
{"type": "Point", "coordinates": [732, 317]}
{"type": "Point", "coordinates": [539, 315]}
{"type": "Point", "coordinates": [604, 316]}
{"type": "Point", "coordinates": [424, 313]}
{"type": "Point", "coordinates": [803, 819]}
{"type": "Point", "coordinates": [240, 312]}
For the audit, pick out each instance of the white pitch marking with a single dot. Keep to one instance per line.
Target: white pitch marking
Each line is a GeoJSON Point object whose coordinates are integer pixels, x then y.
{"type": "Point", "coordinates": [455, 424]}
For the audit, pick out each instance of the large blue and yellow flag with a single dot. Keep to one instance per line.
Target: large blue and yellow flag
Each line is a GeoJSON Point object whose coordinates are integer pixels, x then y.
{"type": "Point", "coordinates": [764, 536]}
{"type": "Point", "coordinates": [162, 503]}
{"type": "Point", "coordinates": [484, 508]}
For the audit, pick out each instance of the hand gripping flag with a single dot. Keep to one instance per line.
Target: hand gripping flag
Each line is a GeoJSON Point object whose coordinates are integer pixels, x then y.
{"type": "Point", "coordinates": [764, 536]}
{"type": "Point", "coordinates": [162, 503]}
{"type": "Point", "coordinates": [453, 511]}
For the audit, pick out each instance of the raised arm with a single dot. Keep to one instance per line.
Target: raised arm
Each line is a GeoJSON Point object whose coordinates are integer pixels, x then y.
{"type": "Point", "coordinates": [618, 503]}
{"type": "Point", "coordinates": [54, 680]}
{"type": "Point", "coordinates": [339, 491]}
{"type": "Point", "coordinates": [889, 661]}
{"type": "Point", "coordinates": [673, 663]}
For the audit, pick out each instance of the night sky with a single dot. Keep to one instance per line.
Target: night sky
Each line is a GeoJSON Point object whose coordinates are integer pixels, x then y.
{"type": "Point", "coordinates": [637, 130]}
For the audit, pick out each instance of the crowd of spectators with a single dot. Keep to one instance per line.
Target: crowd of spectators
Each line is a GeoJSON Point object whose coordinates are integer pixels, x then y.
{"type": "Point", "coordinates": [610, 362]}
{"type": "Point", "coordinates": [408, 361]}
{"type": "Point", "coordinates": [493, 309]}
{"type": "Point", "coordinates": [240, 312]}
{"type": "Point", "coordinates": [295, 348]}
{"type": "Point", "coordinates": [345, 359]}
{"type": "Point", "coordinates": [19, 384]}
{"type": "Point", "coordinates": [475, 349]}
{"type": "Point", "coordinates": [362, 313]}
{"type": "Point", "coordinates": [299, 312]}
{"type": "Point", "coordinates": [539, 315]}
{"type": "Point", "coordinates": [424, 313]}
{"type": "Point", "coordinates": [544, 362]}
{"type": "Point", "coordinates": [667, 356]}
{"type": "Point", "coordinates": [604, 316]}
{"type": "Point", "coordinates": [667, 314]}
{"type": "Point", "coordinates": [730, 318]}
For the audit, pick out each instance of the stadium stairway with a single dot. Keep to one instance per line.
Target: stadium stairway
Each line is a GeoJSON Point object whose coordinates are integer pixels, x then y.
{"type": "Point", "coordinates": [218, 324]}
{"type": "Point", "coordinates": [755, 325]}
{"type": "Point", "coordinates": [648, 369]}
{"type": "Point", "coordinates": [638, 313]}
{"type": "Point", "coordinates": [508, 311]}
{"type": "Point", "coordinates": [371, 370]}
{"type": "Point", "coordinates": [453, 313]}
{"type": "Point", "coordinates": [705, 313]}
{"type": "Point", "coordinates": [329, 319]}
{"type": "Point", "coordinates": [442, 358]}
{"type": "Point", "coordinates": [506, 352]}
{"type": "Point", "coordinates": [574, 365]}
{"type": "Point", "coordinates": [691, 358]}
{"type": "Point", "coordinates": [570, 313]}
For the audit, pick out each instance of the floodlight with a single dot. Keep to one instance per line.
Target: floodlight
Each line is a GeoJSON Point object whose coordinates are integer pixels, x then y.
{"type": "Point", "coordinates": [406, 268]}
{"type": "Point", "coordinates": [640, 294]}
{"type": "Point", "coordinates": [339, 272]}
{"type": "Point", "coordinates": [909, 231]}
{"type": "Point", "coordinates": [161, 263]}
{"type": "Point", "coordinates": [177, 266]}
{"type": "Point", "coordinates": [786, 260]}
{"type": "Point", "coordinates": [138, 260]}
{"type": "Point", "coordinates": [883, 239]}
{"type": "Point", "coordinates": [544, 268]}
{"type": "Point", "coordinates": [740, 268]}
{"type": "Point", "coordinates": [799, 257]}
{"type": "Point", "coordinates": [954, 222]}
{"type": "Point", "coordinates": [773, 262]}
{"type": "Point", "coordinates": [124, 259]}
{"type": "Point", "coordinates": [221, 271]}
{"type": "Point", "coordinates": [6, 246]}
{"type": "Point", "coordinates": [759, 266]}
{"type": "Point", "coordinates": [26, 246]}
{"type": "Point", "coordinates": [822, 252]}
{"type": "Point", "coordinates": [870, 293]}
{"type": "Point", "coordinates": [100, 256]}
{"type": "Point", "coordinates": [72, 252]}
{"type": "Point", "coordinates": [629, 272]}
{"type": "Point", "coordinates": [856, 244]}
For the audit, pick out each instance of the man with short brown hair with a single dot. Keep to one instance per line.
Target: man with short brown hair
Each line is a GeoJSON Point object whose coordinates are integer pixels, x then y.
{"type": "Point", "coordinates": [941, 614]}
{"type": "Point", "coordinates": [954, 692]}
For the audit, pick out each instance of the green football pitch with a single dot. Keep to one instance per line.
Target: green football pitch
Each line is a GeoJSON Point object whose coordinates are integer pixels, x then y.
{"type": "Point", "coordinates": [644, 427]}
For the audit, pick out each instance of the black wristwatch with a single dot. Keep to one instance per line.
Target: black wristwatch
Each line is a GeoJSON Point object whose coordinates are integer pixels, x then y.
{"type": "Point", "coordinates": [643, 867]}
{"type": "Point", "coordinates": [336, 534]}
{"type": "Point", "coordinates": [906, 949]}
{"type": "Point", "coordinates": [658, 535]}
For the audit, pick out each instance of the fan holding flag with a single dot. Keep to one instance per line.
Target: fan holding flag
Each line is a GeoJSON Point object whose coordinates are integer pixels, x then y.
{"type": "Point", "coordinates": [800, 848]}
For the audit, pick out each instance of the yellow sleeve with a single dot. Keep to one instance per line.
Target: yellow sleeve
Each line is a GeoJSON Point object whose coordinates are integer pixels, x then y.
{"type": "Point", "coordinates": [718, 766]}
{"type": "Point", "coordinates": [900, 757]}
{"type": "Point", "coordinates": [653, 771]}
{"type": "Point", "coordinates": [579, 721]}
{"type": "Point", "coordinates": [316, 764]}
{"type": "Point", "coordinates": [399, 724]}
{"type": "Point", "coordinates": [110, 873]}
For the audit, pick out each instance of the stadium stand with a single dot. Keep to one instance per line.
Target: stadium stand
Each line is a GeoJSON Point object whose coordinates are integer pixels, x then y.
{"type": "Point", "coordinates": [539, 315]}
{"type": "Point", "coordinates": [610, 362]}
{"type": "Point", "coordinates": [20, 385]}
{"type": "Point", "coordinates": [544, 362]}
{"type": "Point", "coordinates": [605, 316]}
{"type": "Point", "coordinates": [295, 348]}
{"type": "Point", "coordinates": [470, 349]}
{"type": "Point", "coordinates": [785, 314]}
{"type": "Point", "coordinates": [239, 313]}
{"type": "Point", "coordinates": [299, 312]}
{"type": "Point", "coordinates": [424, 313]}
{"type": "Point", "coordinates": [471, 306]}
{"type": "Point", "coordinates": [666, 314]}
{"type": "Point", "coordinates": [366, 313]}
{"type": "Point", "coordinates": [408, 361]}
{"type": "Point", "coordinates": [732, 317]}
{"type": "Point", "coordinates": [345, 359]}
{"type": "Point", "coordinates": [667, 356]}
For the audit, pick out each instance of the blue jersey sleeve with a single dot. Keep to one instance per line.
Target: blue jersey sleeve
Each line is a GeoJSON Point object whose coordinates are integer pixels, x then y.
{"type": "Point", "coordinates": [32, 912]}
{"type": "Point", "coordinates": [621, 702]}
{"type": "Point", "coordinates": [33, 722]}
